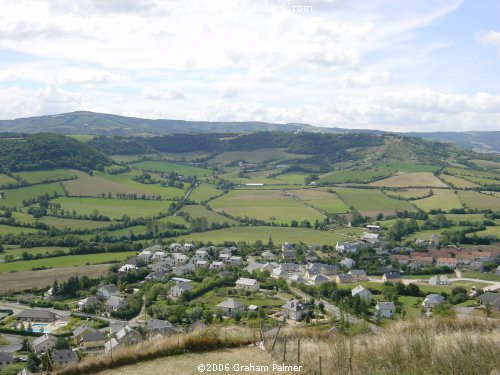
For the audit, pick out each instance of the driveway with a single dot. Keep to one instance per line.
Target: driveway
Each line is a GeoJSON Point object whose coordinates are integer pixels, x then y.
{"type": "Point", "coordinates": [14, 343]}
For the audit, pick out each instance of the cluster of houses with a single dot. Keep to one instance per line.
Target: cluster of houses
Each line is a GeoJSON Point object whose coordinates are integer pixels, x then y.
{"type": "Point", "coordinates": [108, 299]}
{"type": "Point", "coordinates": [471, 259]}
{"type": "Point", "coordinates": [181, 260]}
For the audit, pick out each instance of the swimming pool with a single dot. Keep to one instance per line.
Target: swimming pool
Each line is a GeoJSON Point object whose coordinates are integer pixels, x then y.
{"type": "Point", "coordinates": [47, 327]}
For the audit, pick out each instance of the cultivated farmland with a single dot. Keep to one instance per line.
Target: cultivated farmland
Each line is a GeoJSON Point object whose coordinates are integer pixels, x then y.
{"type": "Point", "coordinates": [267, 205]}
{"type": "Point", "coordinates": [15, 197]}
{"type": "Point", "coordinates": [113, 208]}
{"type": "Point", "coordinates": [327, 202]}
{"type": "Point", "coordinates": [36, 177]}
{"type": "Point", "coordinates": [444, 199]}
{"type": "Point", "coordinates": [417, 179]}
{"type": "Point", "coordinates": [204, 192]}
{"type": "Point", "coordinates": [481, 201]}
{"type": "Point", "coordinates": [370, 202]}
{"type": "Point", "coordinates": [64, 261]}
{"type": "Point", "coordinates": [278, 235]}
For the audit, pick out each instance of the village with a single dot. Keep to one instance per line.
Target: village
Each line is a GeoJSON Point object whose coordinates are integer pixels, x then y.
{"type": "Point", "coordinates": [171, 289]}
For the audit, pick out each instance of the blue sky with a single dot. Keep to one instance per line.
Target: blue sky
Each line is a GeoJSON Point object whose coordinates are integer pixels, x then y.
{"type": "Point", "coordinates": [382, 64]}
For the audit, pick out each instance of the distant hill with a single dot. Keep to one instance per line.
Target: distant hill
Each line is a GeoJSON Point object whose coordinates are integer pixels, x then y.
{"type": "Point", "coordinates": [83, 122]}
{"type": "Point", "coordinates": [47, 151]}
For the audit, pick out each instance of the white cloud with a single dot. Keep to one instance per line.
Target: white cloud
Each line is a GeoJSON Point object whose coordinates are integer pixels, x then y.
{"type": "Point", "coordinates": [172, 94]}
{"type": "Point", "coordinates": [489, 38]}
{"type": "Point", "coordinates": [365, 79]}
{"type": "Point", "coordinates": [230, 92]}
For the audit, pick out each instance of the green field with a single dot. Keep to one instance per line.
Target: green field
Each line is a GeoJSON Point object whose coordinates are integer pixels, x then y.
{"type": "Point", "coordinates": [18, 252]}
{"type": "Point", "coordinates": [278, 235]}
{"type": "Point", "coordinates": [408, 167]}
{"type": "Point", "coordinates": [473, 199]}
{"type": "Point", "coordinates": [491, 231]}
{"type": "Point", "coordinates": [370, 202]}
{"type": "Point", "coordinates": [328, 202]}
{"type": "Point", "coordinates": [204, 192]}
{"type": "Point", "coordinates": [64, 261]}
{"type": "Point", "coordinates": [444, 199]}
{"type": "Point", "coordinates": [113, 208]}
{"type": "Point", "coordinates": [408, 193]}
{"type": "Point", "coordinates": [36, 177]}
{"type": "Point", "coordinates": [164, 166]}
{"type": "Point", "coordinates": [173, 220]}
{"type": "Point", "coordinates": [426, 234]}
{"type": "Point", "coordinates": [93, 186]}
{"type": "Point", "coordinates": [487, 164]}
{"type": "Point", "coordinates": [15, 197]}
{"type": "Point", "coordinates": [196, 211]}
{"type": "Point", "coordinates": [457, 181]}
{"type": "Point", "coordinates": [255, 156]}
{"type": "Point", "coordinates": [474, 218]}
{"type": "Point", "coordinates": [344, 176]}
{"type": "Point", "coordinates": [74, 224]}
{"type": "Point", "coordinates": [265, 177]}
{"type": "Point", "coordinates": [6, 180]}
{"type": "Point", "coordinates": [267, 205]}
{"type": "Point", "coordinates": [7, 229]}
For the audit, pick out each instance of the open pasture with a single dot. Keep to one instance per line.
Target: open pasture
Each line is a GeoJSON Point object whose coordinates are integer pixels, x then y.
{"type": "Point", "coordinates": [416, 179]}
{"type": "Point", "coordinates": [7, 229]}
{"type": "Point", "coordinates": [204, 192]}
{"type": "Point", "coordinates": [474, 199]}
{"type": "Point", "coordinates": [94, 186]}
{"type": "Point", "coordinates": [488, 164]}
{"type": "Point", "coordinates": [15, 197]}
{"type": "Point", "coordinates": [37, 177]}
{"type": "Point", "coordinates": [277, 234]}
{"type": "Point", "coordinates": [445, 199]}
{"type": "Point", "coordinates": [113, 208]}
{"type": "Point", "coordinates": [197, 211]}
{"type": "Point", "coordinates": [370, 202]}
{"type": "Point", "coordinates": [474, 218]}
{"type": "Point", "coordinates": [265, 177]}
{"type": "Point", "coordinates": [255, 156]}
{"type": "Point", "coordinates": [408, 167]}
{"type": "Point", "coordinates": [267, 205]}
{"type": "Point", "coordinates": [166, 167]}
{"type": "Point", "coordinates": [64, 261]}
{"type": "Point", "coordinates": [408, 193]}
{"type": "Point", "coordinates": [345, 176]}
{"type": "Point", "coordinates": [328, 202]}
{"type": "Point", "coordinates": [6, 180]}
{"type": "Point", "coordinates": [18, 251]}
{"type": "Point", "coordinates": [457, 181]}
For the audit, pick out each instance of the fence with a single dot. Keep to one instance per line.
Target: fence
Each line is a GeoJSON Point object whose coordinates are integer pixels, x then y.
{"type": "Point", "coordinates": [317, 354]}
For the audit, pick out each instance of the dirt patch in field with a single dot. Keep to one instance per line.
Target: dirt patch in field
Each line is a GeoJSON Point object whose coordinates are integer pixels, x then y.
{"type": "Point", "coordinates": [18, 281]}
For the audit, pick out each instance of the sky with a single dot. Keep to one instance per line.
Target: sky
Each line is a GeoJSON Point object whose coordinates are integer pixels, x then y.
{"type": "Point", "coordinates": [426, 65]}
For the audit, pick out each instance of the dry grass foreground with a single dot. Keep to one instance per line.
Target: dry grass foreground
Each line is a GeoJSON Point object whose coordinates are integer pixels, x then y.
{"type": "Point", "coordinates": [209, 339]}
{"type": "Point", "coordinates": [469, 346]}
{"type": "Point", "coordinates": [187, 364]}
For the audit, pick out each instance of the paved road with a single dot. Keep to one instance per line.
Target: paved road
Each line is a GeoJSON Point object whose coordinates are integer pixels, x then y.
{"type": "Point", "coordinates": [335, 311]}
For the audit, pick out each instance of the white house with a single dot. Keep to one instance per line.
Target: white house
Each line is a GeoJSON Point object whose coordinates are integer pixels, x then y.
{"type": "Point", "coordinates": [216, 266]}
{"type": "Point", "coordinates": [348, 263]}
{"type": "Point", "coordinates": [362, 292]}
{"type": "Point", "coordinates": [43, 343]}
{"type": "Point", "coordinates": [432, 300]}
{"type": "Point", "coordinates": [231, 307]}
{"type": "Point", "coordinates": [180, 288]}
{"type": "Point", "coordinates": [106, 291]}
{"type": "Point", "coordinates": [295, 310]}
{"type": "Point", "coordinates": [236, 261]}
{"type": "Point", "coordinates": [247, 284]}
{"type": "Point", "coordinates": [115, 303]}
{"type": "Point", "coordinates": [88, 303]}
{"type": "Point", "coordinates": [318, 279]}
{"type": "Point", "coordinates": [385, 309]}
